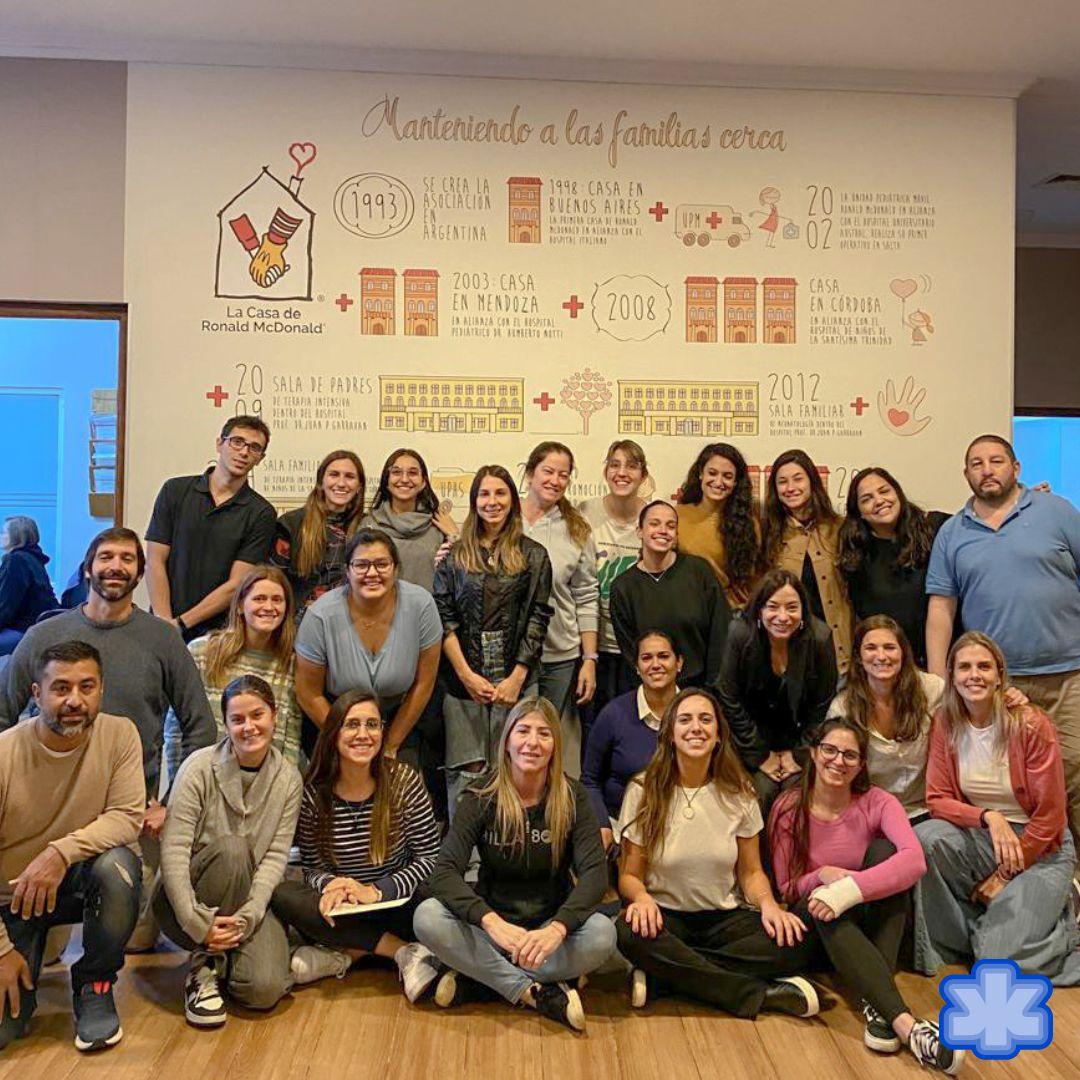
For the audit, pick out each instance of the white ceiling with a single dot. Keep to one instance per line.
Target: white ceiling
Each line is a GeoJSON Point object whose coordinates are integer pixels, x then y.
{"type": "Point", "coordinates": [974, 46]}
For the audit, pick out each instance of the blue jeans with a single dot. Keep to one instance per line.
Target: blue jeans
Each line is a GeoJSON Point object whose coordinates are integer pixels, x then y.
{"type": "Point", "coordinates": [466, 948]}
{"type": "Point", "coordinates": [101, 893]}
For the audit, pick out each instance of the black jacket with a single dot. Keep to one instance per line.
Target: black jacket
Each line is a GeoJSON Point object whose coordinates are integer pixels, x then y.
{"type": "Point", "coordinates": [744, 674]}
{"type": "Point", "coordinates": [518, 603]}
{"type": "Point", "coordinates": [25, 589]}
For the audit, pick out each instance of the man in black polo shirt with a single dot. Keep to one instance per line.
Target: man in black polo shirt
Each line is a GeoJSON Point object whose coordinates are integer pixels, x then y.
{"type": "Point", "coordinates": [208, 531]}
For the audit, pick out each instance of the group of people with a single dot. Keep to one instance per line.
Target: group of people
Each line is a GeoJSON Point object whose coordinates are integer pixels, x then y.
{"type": "Point", "coordinates": [719, 745]}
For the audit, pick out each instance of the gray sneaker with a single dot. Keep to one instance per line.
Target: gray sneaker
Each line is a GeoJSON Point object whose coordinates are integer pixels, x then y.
{"type": "Point", "coordinates": [418, 968]}
{"type": "Point", "coordinates": [96, 1024]}
{"type": "Point", "coordinates": [313, 962]}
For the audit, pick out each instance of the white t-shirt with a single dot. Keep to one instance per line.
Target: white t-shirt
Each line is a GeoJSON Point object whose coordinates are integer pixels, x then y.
{"type": "Point", "coordinates": [695, 871]}
{"type": "Point", "coordinates": [984, 773]}
{"type": "Point", "coordinates": [617, 548]}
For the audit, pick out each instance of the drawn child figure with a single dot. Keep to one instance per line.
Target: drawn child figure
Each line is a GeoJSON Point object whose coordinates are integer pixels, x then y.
{"type": "Point", "coordinates": [920, 324]}
{"type": "Point", "coordinates": [770, 196]}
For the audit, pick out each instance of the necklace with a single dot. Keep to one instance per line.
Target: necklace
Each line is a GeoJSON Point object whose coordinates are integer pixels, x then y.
{"type": "Point", "coordinates": [657, 577]}
{"type": "Point", "coordinates": [688, 809]}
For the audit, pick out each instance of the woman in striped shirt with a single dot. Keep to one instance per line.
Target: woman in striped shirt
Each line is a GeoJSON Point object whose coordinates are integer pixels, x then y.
{"type": "Point", "coordinates": [367, 835]}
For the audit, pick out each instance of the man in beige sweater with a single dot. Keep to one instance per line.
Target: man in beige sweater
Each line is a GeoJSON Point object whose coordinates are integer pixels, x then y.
{"type": "Point", "coordinates": [72, 797]}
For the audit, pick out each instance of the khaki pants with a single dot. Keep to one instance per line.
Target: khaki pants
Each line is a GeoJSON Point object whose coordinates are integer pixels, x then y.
{"type": "Point", "coordinates": [1059, 697]}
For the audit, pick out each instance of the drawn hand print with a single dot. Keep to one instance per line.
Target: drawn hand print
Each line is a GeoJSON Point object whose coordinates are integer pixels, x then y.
{"type": "Point", "coordinates": [901, 414]}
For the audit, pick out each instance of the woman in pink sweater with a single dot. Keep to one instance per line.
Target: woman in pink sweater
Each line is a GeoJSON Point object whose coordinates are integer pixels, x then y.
{"type": "Point", "coordinates": [820, 833]}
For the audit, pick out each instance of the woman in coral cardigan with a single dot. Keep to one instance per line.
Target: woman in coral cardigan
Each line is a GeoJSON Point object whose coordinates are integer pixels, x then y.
{"type": "Point", "coordinates": [999, 854]}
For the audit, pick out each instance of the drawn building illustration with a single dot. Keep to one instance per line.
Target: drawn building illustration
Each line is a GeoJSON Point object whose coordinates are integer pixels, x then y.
{"type": "Point", "coordinates": [377, 300]}
{"type": "Point", "coordinates": [759, 478]}
{"type": "Point", "coordinates": [421, 309]}
{"type": "Point", "coordinates": [740, 309]}
{"type": "Point", "coordinates": [778, 304]}
{"type": "Point", "coordinates": [460, 404]}
{"type": "Point", "coordinates": [688, 408]}
{"type": "Point", "coordinates": [524, 209]}
{"type": "Point", "coordinates": [702, 316]}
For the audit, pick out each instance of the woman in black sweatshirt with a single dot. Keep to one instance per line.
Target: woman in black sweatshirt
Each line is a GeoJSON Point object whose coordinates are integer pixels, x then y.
{"type": "Point", "coordinates": [527, 927]}
{"type": "Point", "coordinates": [666, 590]}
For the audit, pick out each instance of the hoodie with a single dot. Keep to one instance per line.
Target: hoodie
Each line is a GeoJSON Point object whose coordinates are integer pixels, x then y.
{"type": "Point", "coordinates": [25, 589]}
{"type": "Point", "coordinates": [416, 538]}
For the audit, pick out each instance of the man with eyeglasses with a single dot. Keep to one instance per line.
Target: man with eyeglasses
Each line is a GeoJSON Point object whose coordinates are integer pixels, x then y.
{"type": "Point", "coordinates": [207, 531]}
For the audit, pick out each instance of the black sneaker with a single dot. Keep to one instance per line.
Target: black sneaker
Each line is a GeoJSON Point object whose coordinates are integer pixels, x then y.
{"type": "Point", "coordinates": [925, 1044]}
{"type": "Point", "coordinates": [97, 1025]}
{"type": "Point", "coordinates": [878, 1034]}
{"type": "Point", "coordinates": [793, 995]}
{"type": "Point", "coordinates": [203, 1004]}
{"type": "Point", "coordinates": [558, 1002]}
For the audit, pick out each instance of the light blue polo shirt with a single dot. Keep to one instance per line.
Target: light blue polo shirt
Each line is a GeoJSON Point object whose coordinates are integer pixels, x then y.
{"type": "Point", "coordinates": [328, 638]}
{"type": "Point", "coordinates": [1017, 584]}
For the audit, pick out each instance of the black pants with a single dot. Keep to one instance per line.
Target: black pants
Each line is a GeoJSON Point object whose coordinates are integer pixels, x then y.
{"type": "Point", "coordinates": [297, 904]}
{"type": "Point", "coordinates": [613, 678]}
{"type": "Point", "coordinates": [863, 944]}
{"type": "Point", "coordinates": [724, 958]}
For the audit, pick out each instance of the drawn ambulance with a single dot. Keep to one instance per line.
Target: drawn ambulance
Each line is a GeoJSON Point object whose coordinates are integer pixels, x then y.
{"type": "Point", "coordinates": [702, 223]}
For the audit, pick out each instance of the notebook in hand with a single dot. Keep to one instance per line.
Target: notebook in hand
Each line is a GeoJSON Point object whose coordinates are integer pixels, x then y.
{"type": "Point", "coordinates": [358, 909]}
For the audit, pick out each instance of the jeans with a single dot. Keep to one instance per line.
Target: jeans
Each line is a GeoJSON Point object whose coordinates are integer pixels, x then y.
{"type": "Point", "coordinates": [468, 949]}
{"type": "Point", "coordinates": [257, 970]}
{"type": "Point", "coordinates": [101, 893]}
{"type": "Point", "coordinates": [1029, 921]}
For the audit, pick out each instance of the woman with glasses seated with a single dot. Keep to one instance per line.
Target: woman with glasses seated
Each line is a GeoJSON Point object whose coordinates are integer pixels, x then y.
{"type": "Point", "coordinates": [376, 633]}
{"type": "Point", "coordinates": [820, 833]}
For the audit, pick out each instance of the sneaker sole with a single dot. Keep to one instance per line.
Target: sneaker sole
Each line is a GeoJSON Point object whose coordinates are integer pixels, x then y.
{"type": "Point", "coordinates": [414, 993]}
{"type": "Point", "coordinates": [638, 990]}
{"type": "Point", "coordinates": [446, 990]}
{"type": "Point", "coordinates": [813, 1003]}
{"type": "Point", "coordinates": [204, 1021]}
{"type": "Point", "coordinates": [575, 1012]}
{"type": "Point", "coordinates": [881, 1046]}
{"type": "Point", "coordinates": [99, 1044]}
{"type": "Point", "coordinates": [958, 1061]}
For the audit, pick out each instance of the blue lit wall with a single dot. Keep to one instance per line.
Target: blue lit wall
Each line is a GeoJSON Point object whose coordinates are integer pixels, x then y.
{"type": "Point", "coordinates": [1049, 449]}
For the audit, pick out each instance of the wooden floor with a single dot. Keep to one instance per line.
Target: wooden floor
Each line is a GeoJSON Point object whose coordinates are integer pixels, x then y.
{"type": "Point", "coordinates": [362, 1027]}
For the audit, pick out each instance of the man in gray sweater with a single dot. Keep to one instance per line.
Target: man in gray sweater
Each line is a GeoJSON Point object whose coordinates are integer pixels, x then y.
{"type": "Point", "coordinates": [146, 669]}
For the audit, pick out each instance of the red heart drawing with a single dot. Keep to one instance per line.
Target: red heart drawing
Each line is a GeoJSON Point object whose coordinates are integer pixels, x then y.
{"type": "Point", "coordinates": [898, 417]}
{"type": "Point", "coordinates": [303, 153]}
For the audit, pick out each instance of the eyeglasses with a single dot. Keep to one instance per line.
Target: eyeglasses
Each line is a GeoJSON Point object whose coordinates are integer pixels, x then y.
{"type": "Point", "coordinates": [849, 757]}
{"type": "Point", "coordinates": [380, 566]}
{"type": "Point", "coordinates": [353, 724]}
{"type": "Point", "coordinates": [237, 442]}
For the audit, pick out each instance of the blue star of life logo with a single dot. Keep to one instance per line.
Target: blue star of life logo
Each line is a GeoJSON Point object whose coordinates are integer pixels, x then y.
{"type": "Point", "coordinates": [996, 1011]}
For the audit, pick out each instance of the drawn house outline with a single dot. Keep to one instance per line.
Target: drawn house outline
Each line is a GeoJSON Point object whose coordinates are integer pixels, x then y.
{"type": "Point", "coordinates": [778, 307]}
{"type": "Point", "coordinates": [702, 308]}
{"type": "Point", "coordinates": [293, 205]}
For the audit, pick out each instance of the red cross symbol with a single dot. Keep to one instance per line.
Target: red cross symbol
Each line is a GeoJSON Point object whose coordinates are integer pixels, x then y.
{"type": "Point", "coordinates": [714, 219]}
{"type": "Point", "coordinates": [573, 305]}
{"type": "Point", "coordinates": [545, 401]}
{"type": "Point", "coordinates": [858, 405]}
{"type": "Point", "coordinates": [344, 301]}
{"type": "Point", "coordinates": [217, 396]}
{"type": "Point", "coordinates": [658, 211]}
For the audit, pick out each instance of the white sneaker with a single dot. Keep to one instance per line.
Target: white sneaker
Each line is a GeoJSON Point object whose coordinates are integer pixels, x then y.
{"type": "Point", "coordinates": [203, 1003]}
{"type": "Point", "coordinates": [418, 968]}
{"type": "Point", "coordinates": [639, 989]}
{"type": "Point", "coordinates": [313, 962]}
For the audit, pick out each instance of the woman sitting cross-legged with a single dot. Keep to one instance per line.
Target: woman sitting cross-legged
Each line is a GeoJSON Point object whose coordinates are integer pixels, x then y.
{"type": "Point", "coordinates": [366, 834]}
{"type": "Point", "coordinates": [689, 832]}
{"type": "Point", "coordinates": [232, 815]}
{"type": "Point", "coordinates": [820, 834]}
{"type": "Point", "coordinates": [530, 923]}
{"type": "Point", "coordinates": [1000, 858]}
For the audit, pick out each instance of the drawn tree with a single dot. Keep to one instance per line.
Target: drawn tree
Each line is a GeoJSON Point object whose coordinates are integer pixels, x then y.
{"type": "Point", "coordinates": [586, 392]}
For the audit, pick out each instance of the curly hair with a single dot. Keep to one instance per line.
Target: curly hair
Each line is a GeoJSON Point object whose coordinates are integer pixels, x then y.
{"type": "Point", "coordinates": [737, 522]}
{"type": "Point", "coordinates": [914, 536]}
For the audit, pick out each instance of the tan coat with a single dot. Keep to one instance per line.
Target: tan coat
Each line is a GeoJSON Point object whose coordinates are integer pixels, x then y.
{"type": "Point", "coordinates": [822, 542]}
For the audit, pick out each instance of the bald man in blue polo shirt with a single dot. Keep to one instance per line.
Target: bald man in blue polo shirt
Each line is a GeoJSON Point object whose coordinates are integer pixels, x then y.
{"type": "Point", "coordinates": [1011, 558]}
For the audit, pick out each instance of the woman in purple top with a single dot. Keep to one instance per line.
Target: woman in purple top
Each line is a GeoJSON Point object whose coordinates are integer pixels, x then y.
{"type": "Point", "coordinates": [820, 834]}
{"type": "Point", "coordinates": [622, 739]}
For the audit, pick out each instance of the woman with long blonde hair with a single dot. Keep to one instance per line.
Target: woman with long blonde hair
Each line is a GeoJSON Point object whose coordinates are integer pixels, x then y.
{"type": "Point", "coordinates": [689, 828]}
{"type": "Point", "coordinates": [530, 923]}
{"type": "Point", "coordinates": [256, 640]}
{"type": "Point", "coordinates": [310, 541]}
{"type": "Point", "coordinates": [492, 593]}
{"type": "Point", "coordinates": [999, 853]}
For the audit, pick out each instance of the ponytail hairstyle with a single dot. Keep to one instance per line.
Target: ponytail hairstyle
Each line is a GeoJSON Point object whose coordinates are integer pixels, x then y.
{"type": "Point", "coordinates": [576, 525]}
{"type": "Point", "coordinates": [791, 812]}
{"type": "Point", "coordinates": [661, 775]}
{"type": "Point", "coordinates": [311, 546]}
{"type": "Point", "coordinates": [737, 523]}
{"type": "Point", "coordinates": [822, 512]}
{"type": "Point", "coordinates": [506, 554]}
